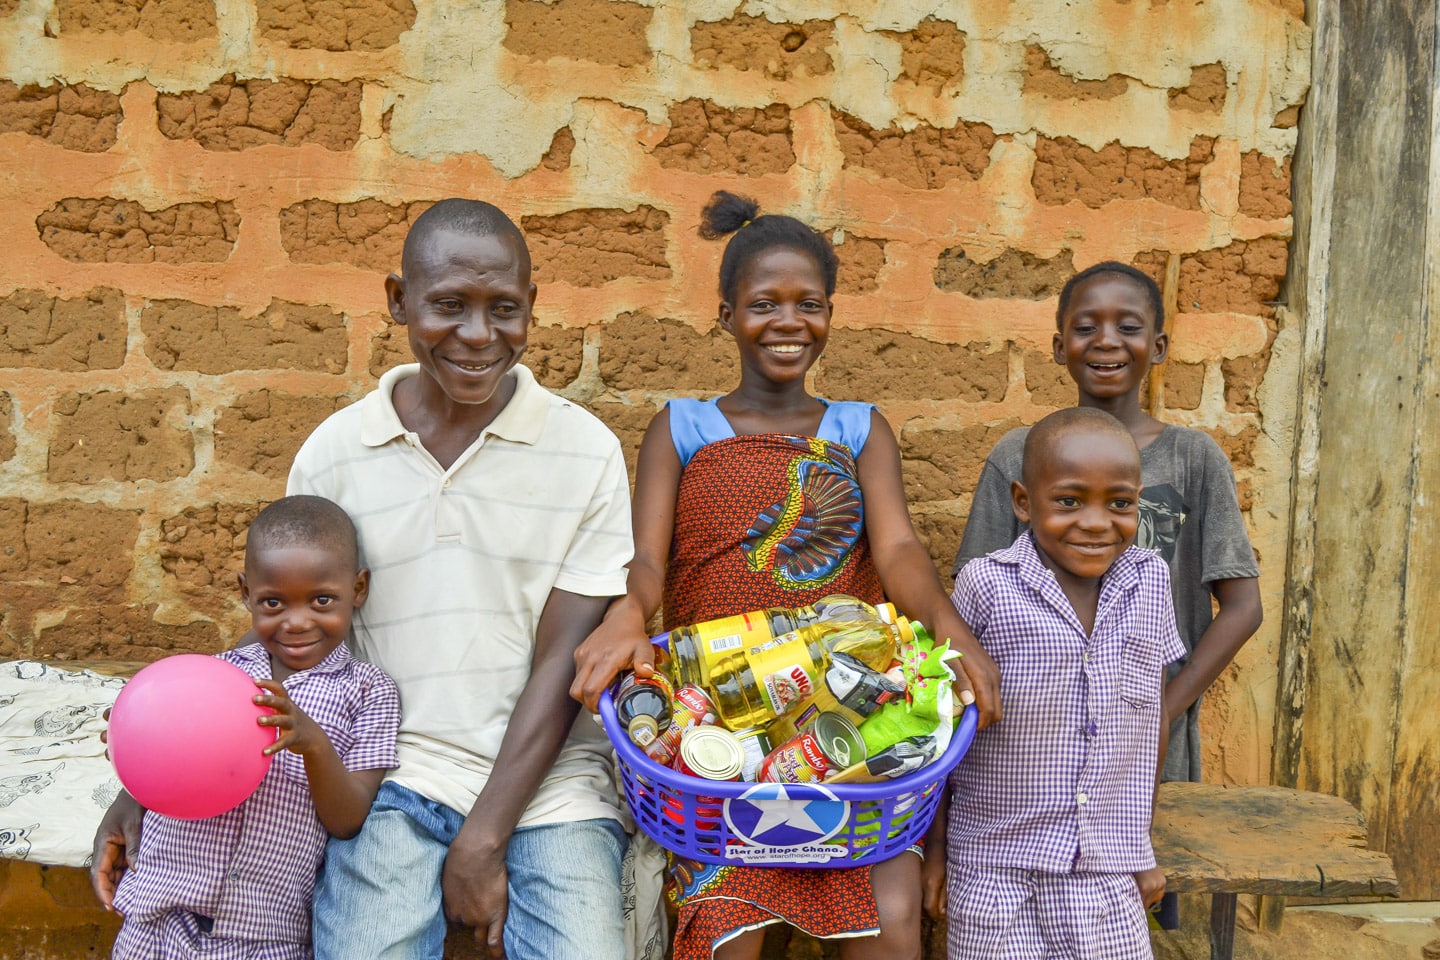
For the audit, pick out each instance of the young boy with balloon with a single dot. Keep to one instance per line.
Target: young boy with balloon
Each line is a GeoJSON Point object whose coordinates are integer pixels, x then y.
{"type": "Point", "coordinates": [208, 877]}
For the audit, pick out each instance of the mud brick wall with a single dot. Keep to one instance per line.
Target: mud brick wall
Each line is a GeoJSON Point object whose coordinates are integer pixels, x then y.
{"type": "Point", "coordinates": [200, 198]}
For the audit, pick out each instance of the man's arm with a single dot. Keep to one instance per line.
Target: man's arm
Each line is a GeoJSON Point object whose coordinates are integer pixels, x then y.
{"type": "Point", "coordinates": [475, 878]}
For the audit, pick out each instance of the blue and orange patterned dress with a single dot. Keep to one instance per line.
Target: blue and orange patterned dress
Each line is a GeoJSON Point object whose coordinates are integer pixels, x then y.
{"type": "Point", "coordinates": [768, 520]}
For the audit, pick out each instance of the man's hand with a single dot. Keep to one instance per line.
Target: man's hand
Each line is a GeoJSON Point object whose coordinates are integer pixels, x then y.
{"type": "Point", "coordinates": [117, 842]}
{"type": "Point", "coordinates": [297, 732]}
{"type": "Point", "coordinates": [1152, 886]}
{"type": "Point", "coordinates": [474, 885]}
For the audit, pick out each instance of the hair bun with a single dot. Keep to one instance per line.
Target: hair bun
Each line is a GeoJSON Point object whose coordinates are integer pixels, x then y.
{"type": "Point", "coordinates": [725, 213]}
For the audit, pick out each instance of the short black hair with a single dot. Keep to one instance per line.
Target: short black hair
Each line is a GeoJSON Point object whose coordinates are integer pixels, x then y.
{"type": "Point", "coordinates": [1146, 282]}
{"type": "Point", "coordinates": [729, 213]}
{"type": "Point", "coordinates": [1041, 438]}
{"type": "Point", "coordinates": [475, 218]}
{"type": "Point", "coordinates": [307, 521]}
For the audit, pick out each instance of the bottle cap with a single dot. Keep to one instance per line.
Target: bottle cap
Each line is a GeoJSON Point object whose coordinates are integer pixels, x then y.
{"type": "Point", "coordinates": [643, 729]}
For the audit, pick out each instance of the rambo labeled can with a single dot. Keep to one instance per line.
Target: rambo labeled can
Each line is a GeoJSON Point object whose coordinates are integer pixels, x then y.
{"type": "Point", "coordinates": [830, 743]}
{"type": "Point", "coordinates": [710, 753]}
{"type": "Point", "coordinates": [692, 707]}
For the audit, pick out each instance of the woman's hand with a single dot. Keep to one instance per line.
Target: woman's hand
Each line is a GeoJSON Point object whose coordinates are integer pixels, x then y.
{"type": "Point", "coordinates": [620, 643]}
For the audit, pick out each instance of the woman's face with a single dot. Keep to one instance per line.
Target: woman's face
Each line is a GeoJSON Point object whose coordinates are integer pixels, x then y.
{"type": "Point", "coordinates": [779, 314]}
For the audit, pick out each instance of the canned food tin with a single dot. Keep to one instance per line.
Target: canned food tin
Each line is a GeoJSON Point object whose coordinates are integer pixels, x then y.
{"type": "Point", "coordinates": [756, 744]}
{"type": "Point", "coordinates": [692, 707]}
{"type": "Point", "coordinates": [830, 743]}
{"type": "Point", "coordinates": [711, 753]}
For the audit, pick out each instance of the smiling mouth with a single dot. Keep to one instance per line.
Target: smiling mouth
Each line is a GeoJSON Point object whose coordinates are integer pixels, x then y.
{"type": "Point", "coordinates": [1108, 367]}
{"type": "Point", "coordinates": [472, 367]}
{"type": "Point", "coordinates": [786, 349]}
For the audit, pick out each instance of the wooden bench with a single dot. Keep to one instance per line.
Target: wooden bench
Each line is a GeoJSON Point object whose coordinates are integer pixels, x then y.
{"type": "Point", "coordinates": [1270, 841]}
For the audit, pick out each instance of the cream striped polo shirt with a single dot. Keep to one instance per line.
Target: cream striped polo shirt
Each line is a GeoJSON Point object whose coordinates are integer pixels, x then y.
{"type": "Point", "coordinates": [462, 561]}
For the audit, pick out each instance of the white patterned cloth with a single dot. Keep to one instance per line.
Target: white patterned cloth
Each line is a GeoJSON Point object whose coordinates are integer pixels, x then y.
{"type": "Point", "coordinates": [55, 780]}
{"type": "Point", "coordinates": [1065, 783]}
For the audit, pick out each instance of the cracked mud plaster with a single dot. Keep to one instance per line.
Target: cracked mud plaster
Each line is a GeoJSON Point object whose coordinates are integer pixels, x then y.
{"type": "Point", "coordinates": [588, 248]}
{"type": "Point", "coordinates": [123, 631]}
{"type": "Point", "coordinates": [334, 24]}
{"type": "Point", "coordinates": [1184, 385]}
{"type": "Point", "coordinates": [1205, 93]}
{"type": "Point", "coordinates": [234, 114]}
{"type": "Point", "coordinates": [140, 435]}
{"type": "Point", "coordinates": [1043, 78]}
{"type": "Point", "coordinates": [883, 366]}
{"type": "Point", "coordinates": [600, 31]}
{"type": "Point", "coordinates": [1241, 277]}
{"type": "Point", "coordinates": [262, 430]}
{"type": "Point", "coordinates": [180, 335]}
{"type": "Point", "coordinates": [1066, 170]}
{"type": "Point", "coordinates": [861, 260]}
{"type": "Point", "coordinates": [707, 138]}
{"type": "Point", "coordinates": [562, 145]}
{"type": "Point", "coordinates": [932, 55]}
{"type": "Point", "coordinates": [941, 463]}
{"type": "Point", "coordinates": [73, 116]}
{"type": "Point", "coordinates": [366, 233]}
{"type": "Point", "coordinates": [110, 230]}
{"type": "Point", "coordinates": [923, 158]}
{"type": "Point", "coordinates": [87, 332]}
{"type": "Point", "coordinates": [1012, 274]}
{"type": "Point", "coordinates": [1264, 186]}
{"type": "Point", "coordinates": [7, 426]}
{"type": "Point", "coordinates": [640, 352]}
{"type": "Point", "coordinates": [68, 546]}
{"type": "Point", "coordinates": [778, 50]}
{"type": "Point", "coordinates": [174, 21]}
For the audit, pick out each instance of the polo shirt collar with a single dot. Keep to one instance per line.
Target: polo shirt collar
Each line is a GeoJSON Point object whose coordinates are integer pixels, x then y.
{"type": "Point", "coordinates": [522, 420]}
{"type": "Point", "coordinates": [1122, 576]}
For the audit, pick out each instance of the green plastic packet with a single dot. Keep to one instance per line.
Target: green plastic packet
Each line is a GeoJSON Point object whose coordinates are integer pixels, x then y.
{"type": "Point", "coordinates": [928, 707]}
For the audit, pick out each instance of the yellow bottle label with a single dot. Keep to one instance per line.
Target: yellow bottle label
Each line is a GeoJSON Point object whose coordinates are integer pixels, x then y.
{"type": "Point", "coordinates": [784, 671]}
{"type": "Point", "coordinates": [729, 634]}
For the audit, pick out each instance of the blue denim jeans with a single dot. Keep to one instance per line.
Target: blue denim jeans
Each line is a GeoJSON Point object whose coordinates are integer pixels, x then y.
{"type": "Point", "coordinates": [378, 895]}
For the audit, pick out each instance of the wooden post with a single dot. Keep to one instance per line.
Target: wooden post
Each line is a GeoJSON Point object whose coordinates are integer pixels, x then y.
{"type": "Point", "coordinates": [1359, 651]}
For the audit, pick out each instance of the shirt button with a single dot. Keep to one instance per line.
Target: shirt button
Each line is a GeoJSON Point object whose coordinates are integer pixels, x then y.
{"type": "Point", "coordinates": [445, 483]}
{"type": "Point", "coordinates": [1085, 656]}
{"type": "Point", "coordinates": [1080, 798]}
{"type": "Point", "coordinates": [234, 874]}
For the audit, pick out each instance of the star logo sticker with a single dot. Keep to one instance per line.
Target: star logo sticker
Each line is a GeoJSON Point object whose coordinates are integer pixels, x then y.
{"type": "Point", "coordinates": [768, 815]}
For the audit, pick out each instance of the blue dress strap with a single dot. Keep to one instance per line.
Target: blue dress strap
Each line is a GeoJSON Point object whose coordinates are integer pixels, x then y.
{"type": "Point", "coordinates": [846, 422]}
{"type": "Point", "coordinates": [695, 423]}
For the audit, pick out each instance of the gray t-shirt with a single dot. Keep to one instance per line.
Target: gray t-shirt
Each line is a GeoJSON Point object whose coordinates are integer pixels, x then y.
{"type": "Point", "coordinates": [1188, 512]}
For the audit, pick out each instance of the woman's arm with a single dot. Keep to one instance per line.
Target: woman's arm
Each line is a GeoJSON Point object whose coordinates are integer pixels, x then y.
{"type": "Point", "coordinates": [621, 641]}
{"type": "Point", "coordinates": [907, 573]}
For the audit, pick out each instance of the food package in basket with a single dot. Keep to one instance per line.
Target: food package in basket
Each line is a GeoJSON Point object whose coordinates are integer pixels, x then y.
{"type": "Point", "coordinates": [797, 686]}
{"type": "Point", "coordinates": [782, 697]}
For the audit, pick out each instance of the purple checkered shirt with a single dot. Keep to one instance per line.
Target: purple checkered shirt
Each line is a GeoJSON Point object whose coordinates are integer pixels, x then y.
{"type": "Point", "coordinates": [252, 870]}
{"type": "Point", "coordinates": [1065, 782]}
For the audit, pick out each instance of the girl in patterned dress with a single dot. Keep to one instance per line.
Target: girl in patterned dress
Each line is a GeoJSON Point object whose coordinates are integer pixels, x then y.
{"type": "Point", "coordinates": [767, 497]}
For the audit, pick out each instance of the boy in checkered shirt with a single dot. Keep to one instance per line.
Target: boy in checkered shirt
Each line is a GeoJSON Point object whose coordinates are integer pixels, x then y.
{"type": "Point", "coordinates": [1048, 839]}
{"type": "Point", "coordinates": [238, 886]}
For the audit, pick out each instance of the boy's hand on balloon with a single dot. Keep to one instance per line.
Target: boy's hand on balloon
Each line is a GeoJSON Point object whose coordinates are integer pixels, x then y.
{"type": "Point", "coordinates": [297, 732]}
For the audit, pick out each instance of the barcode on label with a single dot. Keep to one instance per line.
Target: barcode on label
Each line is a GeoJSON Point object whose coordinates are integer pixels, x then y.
{"type": "Point", "coordinates": [723, 644]}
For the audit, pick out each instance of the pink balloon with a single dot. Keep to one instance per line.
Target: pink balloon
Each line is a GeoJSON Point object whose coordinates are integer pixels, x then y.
{"type": "Point", "coordinates": [183, 737]}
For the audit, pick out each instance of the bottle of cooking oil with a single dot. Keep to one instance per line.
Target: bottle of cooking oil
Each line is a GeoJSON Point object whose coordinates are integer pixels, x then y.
{"type": "Point", "coordinates": [708, 642]}
{"type": "Point", "coordinates": [754, 684]}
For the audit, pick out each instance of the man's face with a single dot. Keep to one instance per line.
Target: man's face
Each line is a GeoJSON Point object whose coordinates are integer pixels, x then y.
{"type": "Point", "coordinates": [465, 302]}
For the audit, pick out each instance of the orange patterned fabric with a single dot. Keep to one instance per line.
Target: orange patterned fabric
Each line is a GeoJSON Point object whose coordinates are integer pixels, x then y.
{"type": "Point", "coordinates": [766, 521]}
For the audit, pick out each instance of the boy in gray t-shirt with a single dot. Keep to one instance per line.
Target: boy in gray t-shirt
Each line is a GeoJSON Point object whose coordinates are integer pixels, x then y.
{"type": "Point", "coordinates": [1109, 334]}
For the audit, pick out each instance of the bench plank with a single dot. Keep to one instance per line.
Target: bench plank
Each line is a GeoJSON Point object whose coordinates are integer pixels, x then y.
{"type": "Point", "coordinates": [1265, 840]}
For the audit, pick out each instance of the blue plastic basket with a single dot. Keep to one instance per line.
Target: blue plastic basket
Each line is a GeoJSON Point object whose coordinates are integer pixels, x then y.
{"type": "Point", "coordinates": [782, 824]}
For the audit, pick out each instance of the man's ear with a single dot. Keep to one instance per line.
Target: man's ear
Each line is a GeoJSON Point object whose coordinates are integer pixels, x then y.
{"type": "Point", "coordinates": [395, 297]}
{"type": "Point", "coordinates": [362, 586]}
{"type": "Point", "coordinates": [1020, 501]}
{"type": "Point", "coordinates": [1161, 349]}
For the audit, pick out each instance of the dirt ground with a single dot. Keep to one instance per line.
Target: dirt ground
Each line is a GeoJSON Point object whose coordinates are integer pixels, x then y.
{"type": "Point", "coordinates": [1305, 935]}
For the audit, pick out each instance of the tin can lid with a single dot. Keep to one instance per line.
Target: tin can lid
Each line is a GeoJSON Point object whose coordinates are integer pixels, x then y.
{"type": "Point", "coordinates": [712, 752]}
{"type": "Point", "coordinates": [838, 738]}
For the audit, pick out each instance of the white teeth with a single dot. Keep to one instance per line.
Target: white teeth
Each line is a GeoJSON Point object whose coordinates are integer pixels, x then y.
{"type": "Point", "coordinates": [784, 348]}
